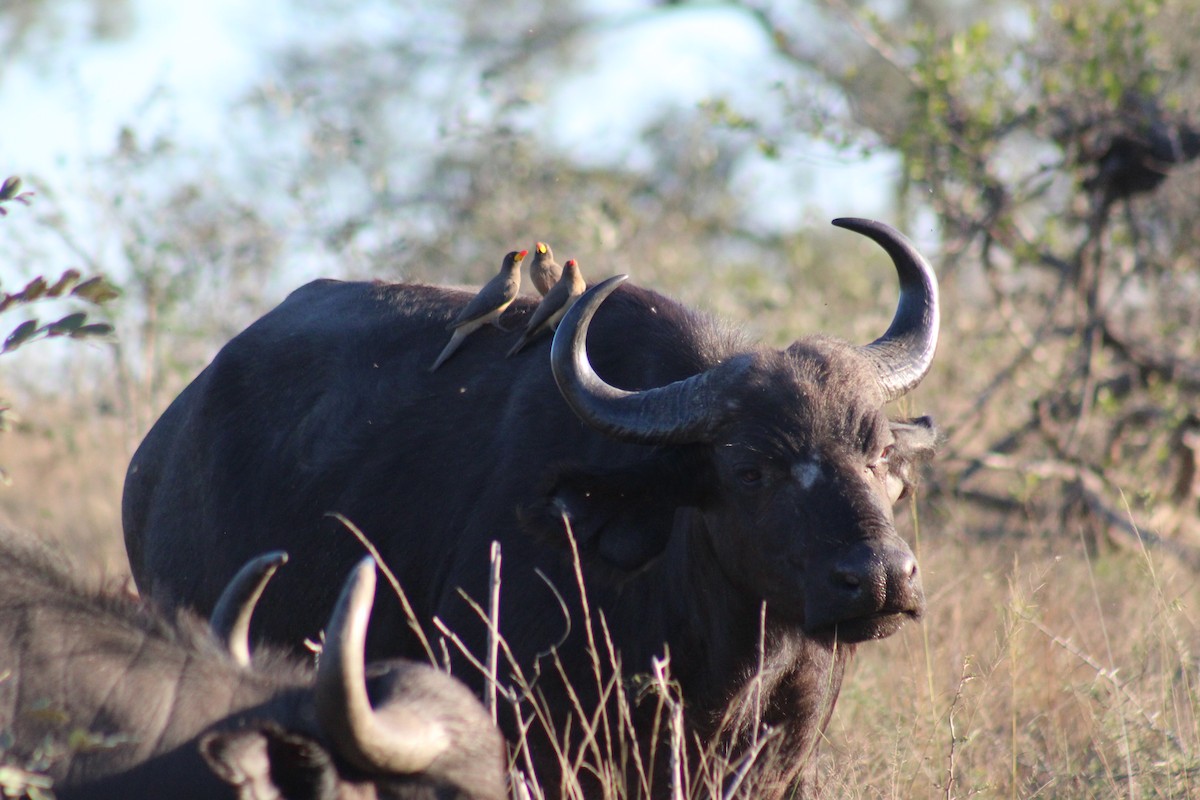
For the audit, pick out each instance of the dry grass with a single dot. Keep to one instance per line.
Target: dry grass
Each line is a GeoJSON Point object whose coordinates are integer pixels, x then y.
{"type": "Point", "coordinates": [604, 757]}
{"type": "Point", "coordinates": [1041, 670]}
{"type": "Point", "coordinates": [65, 468]}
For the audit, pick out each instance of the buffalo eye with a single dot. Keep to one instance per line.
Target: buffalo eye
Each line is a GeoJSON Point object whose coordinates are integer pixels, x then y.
{"type": "Point", "coordinates": [749, 475]}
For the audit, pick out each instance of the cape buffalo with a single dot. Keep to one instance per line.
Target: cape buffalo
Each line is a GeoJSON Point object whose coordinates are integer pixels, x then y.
{"type": "Point", "coordinates": [110, 699]}
{"type": "Point", "coordinates": [732, 503]}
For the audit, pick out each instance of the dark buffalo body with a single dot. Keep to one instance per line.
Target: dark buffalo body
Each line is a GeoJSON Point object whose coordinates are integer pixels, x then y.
{"type": "Point", "coordinates": [767, 478]}
{"type": "Point", "coordinates": [111, 699]}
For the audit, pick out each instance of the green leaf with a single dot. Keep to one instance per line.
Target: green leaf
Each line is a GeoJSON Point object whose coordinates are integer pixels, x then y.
{"type": "Point", "coordinates": [96, 290]}
{"type": "Point", "coordinates": [64, 283]}
{"type": "Point", "coordinates": [23, 333]}
{"type": "Point", "coordinates": [68, 325]}
{"type": "Point", "coordinates": [33, 290]}
{"type": "Point", "coordinates": [9, 189]}
{"type": "Point", "coordinates": [92, 329]}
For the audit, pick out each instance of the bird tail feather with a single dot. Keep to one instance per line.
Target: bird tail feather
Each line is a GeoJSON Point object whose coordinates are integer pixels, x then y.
{"type": "Point", "coordinates": [448, 350]}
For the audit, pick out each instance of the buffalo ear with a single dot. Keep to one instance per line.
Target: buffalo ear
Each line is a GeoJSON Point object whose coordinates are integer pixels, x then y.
{"type": "Point", "coordinates": [621, 518]}
{"type": "Point", "coordinates": [915, 440]}
{"type": "Point", "coordinates": [265, 762]}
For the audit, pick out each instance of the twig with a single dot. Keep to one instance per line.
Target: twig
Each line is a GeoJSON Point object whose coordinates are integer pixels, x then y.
{"type": "Point", "coordinates": [493, 652]}
{"type": "Point", "coordinates": [658, 669]}
{"type": "Point", "coordinates": [467, 654]}
{"type": "Point", "coordinates": [566, 611]}
{"type": "Point", "coordinates": [625, 711]}
{"type": "Point", "coordinates": [1172, 368]}
{"type": "Point", "coordinates": [501, 642]}
{"type": "Point", "coordinates": [746, 761]}
{"type": "Point", "coordinates": [951, 761]}
{"type": "Point", "coordinates": [593, 651]}
{"type": "Point", "coordinates": [758, 675]}
{"type": "Point", "coordinates": [413, 622]}
{"type": "Point", "coordinates": [1109, 676]}
{"type": "Point", "coordinates": [1128, 750]}
{"type": "Point", "coordinates": [1092, 488]}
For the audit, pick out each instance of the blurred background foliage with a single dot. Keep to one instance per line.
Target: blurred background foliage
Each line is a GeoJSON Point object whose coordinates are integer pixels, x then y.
{"type": "Point", "coordinates": [1043, 153]}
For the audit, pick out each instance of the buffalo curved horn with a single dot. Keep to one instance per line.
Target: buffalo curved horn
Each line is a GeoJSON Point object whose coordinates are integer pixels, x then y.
{"type": "Point", "coordinates": [230, 619]}
{"type": "Point", "coordinates": [903, 355]}
{"type": "Point", "coordinates": [677, 413]}
{"type": "Point", "coordinates": [406, 743]}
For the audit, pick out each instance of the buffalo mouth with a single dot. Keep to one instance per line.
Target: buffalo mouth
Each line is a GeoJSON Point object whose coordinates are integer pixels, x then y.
{"type": "Point", "coordinates": [864, 591]}
{"type": "Point", "coordinates": [879, 625]}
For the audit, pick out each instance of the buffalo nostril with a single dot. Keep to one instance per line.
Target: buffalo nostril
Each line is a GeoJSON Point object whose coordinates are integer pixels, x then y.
{"type": "Point", "coordinates": [847, 579]}
{"type": "Point", "coordinates": [864, 582]}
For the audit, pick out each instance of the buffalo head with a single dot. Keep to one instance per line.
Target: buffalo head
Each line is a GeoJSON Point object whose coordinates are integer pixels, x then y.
{"type": "Point", "coordinates": [783, 462]}
{"type": "Point", "coordinates": [402, 729]}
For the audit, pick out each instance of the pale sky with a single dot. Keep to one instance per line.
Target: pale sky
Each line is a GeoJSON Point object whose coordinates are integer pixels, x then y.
{"type": "Point", "coordinates": [204, 55]}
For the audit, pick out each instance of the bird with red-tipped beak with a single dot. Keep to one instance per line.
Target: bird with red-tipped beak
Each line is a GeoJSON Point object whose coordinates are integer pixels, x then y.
{"type": "Point", "coordinates": [487, 306]}
{"type": "Point", "coordinates": [554, 305]}
{"type": "Point", "coordinates": [544, 271]}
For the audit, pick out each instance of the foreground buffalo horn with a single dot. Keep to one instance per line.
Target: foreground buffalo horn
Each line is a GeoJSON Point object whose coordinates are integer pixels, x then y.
{"type": "Point", "coordinates": [230, 619]}
{"type": "Point", "coordinates": [679, 412]}
{"type": "Point", "coordinates": [687, 410]}
{"type": "Point", "coordinates": [401, 744]}
{"type": "Point", "coordinates": [903, 355]}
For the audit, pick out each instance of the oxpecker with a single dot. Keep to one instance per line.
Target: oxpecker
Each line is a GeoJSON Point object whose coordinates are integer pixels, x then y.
{"type": "Point", "coordinates": [554, 305]}
{"type": "Point", "coordinates": [545, 271]}
{"type": "Point", "coordinates": [487, 306]}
